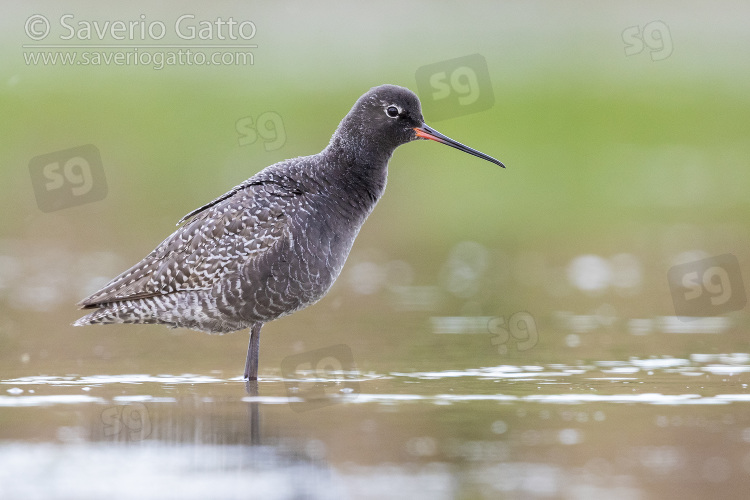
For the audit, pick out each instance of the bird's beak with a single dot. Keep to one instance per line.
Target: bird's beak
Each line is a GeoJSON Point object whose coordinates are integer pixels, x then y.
{"type": "Point", "coordinates": [426, 132]}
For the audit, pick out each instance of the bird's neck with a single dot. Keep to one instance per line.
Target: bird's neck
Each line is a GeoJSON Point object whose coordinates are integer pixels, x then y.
{"type": "Point", "coordinates": [359, 148]}
{"type": "Point", "coordinates": [361, 169]}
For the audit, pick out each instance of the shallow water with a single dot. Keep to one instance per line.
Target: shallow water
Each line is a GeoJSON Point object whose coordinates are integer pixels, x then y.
{"type": "Point", "coordinates": [464, 385]}
{"type": "Point", "coordinates": [662, 427]}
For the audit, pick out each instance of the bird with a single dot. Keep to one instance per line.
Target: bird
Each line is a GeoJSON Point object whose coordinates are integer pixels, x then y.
{"type": "Point", "coordinates": [275, 243]}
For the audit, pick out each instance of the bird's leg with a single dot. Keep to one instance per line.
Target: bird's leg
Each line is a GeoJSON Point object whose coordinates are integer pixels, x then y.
{"type": "Point", "coordinates": [251, 364]}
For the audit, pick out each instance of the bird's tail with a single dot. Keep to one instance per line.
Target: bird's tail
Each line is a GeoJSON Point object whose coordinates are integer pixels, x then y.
{"type": "Point", "coordinates": [129, 311]}
{"type": "Point", "coordinates": [174, 310]}
{"type": "Point", "coordinates": [90, 319]}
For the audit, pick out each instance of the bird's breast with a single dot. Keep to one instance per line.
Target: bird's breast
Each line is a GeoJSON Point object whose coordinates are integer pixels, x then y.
{"type": "Point", "coordinates": [305, 264]}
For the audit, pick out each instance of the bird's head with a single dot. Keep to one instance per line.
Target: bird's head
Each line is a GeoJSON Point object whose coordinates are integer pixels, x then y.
{"type": "Point", "coordinates": [389, 116]}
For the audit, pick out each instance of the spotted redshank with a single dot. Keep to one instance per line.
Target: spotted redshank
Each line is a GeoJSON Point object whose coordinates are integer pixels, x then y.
{"type": "Point", "coordinates": [275, 243]}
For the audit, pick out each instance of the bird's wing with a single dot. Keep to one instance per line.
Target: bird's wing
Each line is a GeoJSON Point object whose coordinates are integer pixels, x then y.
{"type": "Point", "coordinates": [217, 239]}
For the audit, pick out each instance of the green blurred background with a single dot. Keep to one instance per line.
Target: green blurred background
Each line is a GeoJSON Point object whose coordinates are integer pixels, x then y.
{"type": "Point", "coordinates": [638, 161]}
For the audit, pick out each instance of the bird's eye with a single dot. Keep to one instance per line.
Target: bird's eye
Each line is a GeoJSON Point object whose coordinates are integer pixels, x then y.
{"type": "Point", "coordinates": [392, 111]}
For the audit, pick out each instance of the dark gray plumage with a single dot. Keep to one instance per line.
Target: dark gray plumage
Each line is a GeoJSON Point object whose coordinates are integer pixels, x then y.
{"type": "Point", "coordinates": [277, 242]}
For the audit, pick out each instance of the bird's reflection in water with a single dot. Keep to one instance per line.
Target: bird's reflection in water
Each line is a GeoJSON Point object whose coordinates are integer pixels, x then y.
{"type": "Point", "coordinates": [200, 434]}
